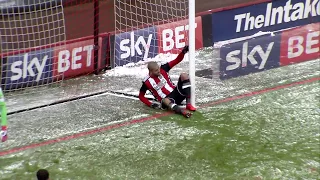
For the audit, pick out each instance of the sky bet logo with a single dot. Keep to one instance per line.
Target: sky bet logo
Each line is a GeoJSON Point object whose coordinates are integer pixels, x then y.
{"type": "Point", "coordinates": [135, 45]}
{"type": "Point", "coordinates": [239, 58]}
{"type": "Point", "coordinates": [278, 15]}
{"type": "Point", "coordinates": [28, 67]}
{"type": "Point", "coordinates": [249, 56]}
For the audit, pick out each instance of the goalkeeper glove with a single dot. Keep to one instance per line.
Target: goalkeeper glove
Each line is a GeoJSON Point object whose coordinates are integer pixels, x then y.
{"type": "Point", "coordinates": [185, 49]}
{"type": "Point", "coordinates": [3, 134]}
{"type": "Point", "coordinates": [155, 106]}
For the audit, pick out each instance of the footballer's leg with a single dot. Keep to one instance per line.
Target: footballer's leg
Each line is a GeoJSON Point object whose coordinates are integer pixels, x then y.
{"type": "Point", "coordinates": [174, 107]}
{"type": "Point", "coordinates": [184, 87]}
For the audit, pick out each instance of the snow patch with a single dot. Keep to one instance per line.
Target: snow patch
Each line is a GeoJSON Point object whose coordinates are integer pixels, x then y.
{"type": "Point", "coordinates": [139, 69]}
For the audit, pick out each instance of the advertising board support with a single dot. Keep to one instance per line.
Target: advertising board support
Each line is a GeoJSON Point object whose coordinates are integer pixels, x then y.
{"type": "Point", "coordinates": [105, 54]}
{"type": "Point", "coordinates": [206, 21]}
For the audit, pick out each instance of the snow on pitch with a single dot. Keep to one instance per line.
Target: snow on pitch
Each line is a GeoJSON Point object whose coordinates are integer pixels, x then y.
{"type": "Point", "coordinates": [140, 69]}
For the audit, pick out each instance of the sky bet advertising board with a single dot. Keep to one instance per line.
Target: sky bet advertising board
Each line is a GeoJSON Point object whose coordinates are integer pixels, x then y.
{"type": "Point", "coordinates": [28, 69]}
{"type": "Point", "coordinates": [136, 46]}
{"type": "Point", "coordinates": [173, 36]}
{"type": "Point", "coordinates": [47, 65]}
{"type": "Point", "coordinates": [272, 16]}
{"type": "Point", "coordinates": [300, 44]}
{"type": "Point", "coordinates": [75, 59]}
{"type": "Point", "coordinates": [249, 56]}
{"type": "Point", "coordinates": [139, 45]}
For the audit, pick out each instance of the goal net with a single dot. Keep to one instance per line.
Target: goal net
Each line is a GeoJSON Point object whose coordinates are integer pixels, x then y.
{"type": "Point", "coordinates": [154, 30]}
{"type": "Point", "coordinates": [145, 29]}
{"type": "Point", "coordinates": [48, 46]}
{"type": "Point", "coordinates": [30, 31]}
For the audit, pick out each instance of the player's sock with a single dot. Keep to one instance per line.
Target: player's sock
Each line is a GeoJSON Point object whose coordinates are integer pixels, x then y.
{"type": "Point", "coordinates": [178, 110]}
{"type": "Point", "coordinates": [186, 89]}
{"type": "Point", "coordinates": [188, 100]}
{"type": "Point", "coordinates": [3, 133]}
{"type": "Point", "coordinates": [175, 108]}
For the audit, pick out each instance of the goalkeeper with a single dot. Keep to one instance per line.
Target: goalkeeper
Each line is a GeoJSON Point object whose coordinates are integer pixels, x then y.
{"type": "Point", "coordinates": [160, 85]}
{"type": "Point", "coordinates": [3, 121]}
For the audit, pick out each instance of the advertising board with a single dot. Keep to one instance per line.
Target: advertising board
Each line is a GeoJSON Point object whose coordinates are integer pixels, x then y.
{"type": "Point", "coordinates": [249, 56]}
{"type": "Point", "coordinates": [135, 46]}
{"type": "Point", "coordinates": [300, 44]}
{"type": "Point", "coordinates": [272, 16]}
{"type": "Point", "coordinates": [173, 36]}
{"type": "Point", "coordinates": [28, 69]}
{"type": "Point", "coordinates": [73, 60]}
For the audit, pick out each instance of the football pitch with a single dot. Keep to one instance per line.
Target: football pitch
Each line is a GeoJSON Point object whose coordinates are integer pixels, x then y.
{"type": "Point", "coordinates": [261, 126]}
{"type": "Point", "coordinates": [267, 135]}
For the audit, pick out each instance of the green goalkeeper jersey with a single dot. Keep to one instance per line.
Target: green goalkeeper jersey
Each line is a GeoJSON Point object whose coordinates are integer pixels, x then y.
{"type": "Point", "coordinates": [3, 110]}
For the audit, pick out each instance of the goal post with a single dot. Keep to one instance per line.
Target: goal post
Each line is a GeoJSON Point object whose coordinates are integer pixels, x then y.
{"type": "Point", "coordinates": [192, 48]}
{"type": "Point", "coordinates": [154, 30]}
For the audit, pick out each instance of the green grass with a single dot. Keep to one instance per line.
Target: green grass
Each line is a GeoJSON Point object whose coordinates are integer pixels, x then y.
{"type": "Point", "coordinates": [270, 136]}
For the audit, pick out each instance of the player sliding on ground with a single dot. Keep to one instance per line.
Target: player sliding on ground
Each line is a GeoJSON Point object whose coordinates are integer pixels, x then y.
{"type": "Point", "coordinates": [3, 131]}
{"type": "Point", "coordinates": [160, 85]}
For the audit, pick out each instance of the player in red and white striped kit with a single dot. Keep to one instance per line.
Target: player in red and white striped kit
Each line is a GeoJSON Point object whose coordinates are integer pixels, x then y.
{"type": "Point", "coordinates": [160, 85]}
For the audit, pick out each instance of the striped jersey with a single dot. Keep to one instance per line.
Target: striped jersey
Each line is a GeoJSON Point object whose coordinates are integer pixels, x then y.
{"type": "Point", "coordinates": [160, 86]}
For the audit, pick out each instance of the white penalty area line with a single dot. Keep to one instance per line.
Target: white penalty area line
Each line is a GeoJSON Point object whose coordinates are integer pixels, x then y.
{"type": "Point", "coordinates": [125, 95]}
{"type": "Point", "coordinates": [132, 96]}
{"type": "Point", "coordinates": [119, 95]}
{"type": "Point", "coordinates": [77, 98]}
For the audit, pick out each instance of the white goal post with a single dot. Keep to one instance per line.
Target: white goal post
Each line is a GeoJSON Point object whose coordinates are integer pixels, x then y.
{"type": "Point", "coordinates": [192, 49]}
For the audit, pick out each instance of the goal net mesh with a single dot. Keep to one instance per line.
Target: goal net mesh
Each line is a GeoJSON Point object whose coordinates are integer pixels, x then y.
{"type": "Point", "coordinates": [145, 29]}
{"type": "Point", "coordinates": [29, 36]}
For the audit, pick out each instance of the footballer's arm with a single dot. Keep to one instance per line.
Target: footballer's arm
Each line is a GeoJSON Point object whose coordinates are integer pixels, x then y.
{"type": "Point", "coordinates": [176, 61]}
{"type": "Point", "coordinates": [142, 92]}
